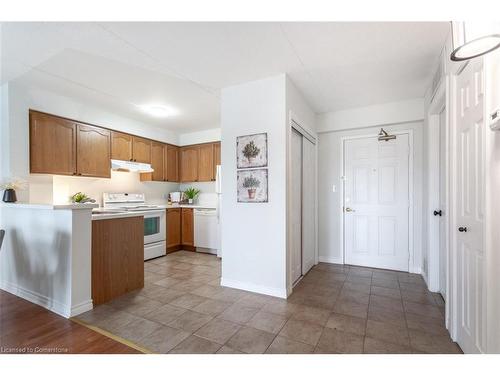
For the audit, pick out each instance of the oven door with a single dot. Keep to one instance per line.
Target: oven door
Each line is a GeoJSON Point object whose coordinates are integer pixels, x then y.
{"type": "Point", "coordinates": [154, 226]}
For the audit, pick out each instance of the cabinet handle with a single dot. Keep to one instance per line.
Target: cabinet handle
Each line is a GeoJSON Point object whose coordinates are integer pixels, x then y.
{"type": "Point", "coordinates": [462, 229]}
{"type": "Point", "coordinates": [438, 213]}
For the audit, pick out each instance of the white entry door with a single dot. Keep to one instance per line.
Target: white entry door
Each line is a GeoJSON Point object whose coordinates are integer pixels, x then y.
{"type": "Point", "coordinates": [470, 140]}
{"type": "Point", "coordinates": [376, 202]}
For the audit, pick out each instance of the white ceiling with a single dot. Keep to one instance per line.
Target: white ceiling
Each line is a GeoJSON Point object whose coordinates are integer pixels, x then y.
{"type": "Point", "coordinates": [184, 65]}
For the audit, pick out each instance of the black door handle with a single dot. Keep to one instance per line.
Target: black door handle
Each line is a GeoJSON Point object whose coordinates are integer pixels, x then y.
{"type": "Point", "coordinates": [462, 229]}
{"type": "Point", "coordinates": [438, 213]}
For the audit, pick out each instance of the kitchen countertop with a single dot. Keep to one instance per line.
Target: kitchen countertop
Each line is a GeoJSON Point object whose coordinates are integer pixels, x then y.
{"type": "Point", "coordinates": [69, 206]}
{"type": "Point", "coordinates": [188, 206]}
{"type": "Point", "coordinates": [116, 215]}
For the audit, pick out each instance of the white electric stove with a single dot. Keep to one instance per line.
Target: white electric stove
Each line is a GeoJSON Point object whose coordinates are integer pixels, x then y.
{"type": "Point", "coordinates": [154, 220]}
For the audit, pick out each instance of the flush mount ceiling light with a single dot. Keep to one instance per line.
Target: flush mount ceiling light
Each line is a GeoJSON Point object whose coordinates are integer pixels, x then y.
{"type": "Point", "coordinates": [158, 110]}
{"type": "Point", "coordinates": [473, 39]}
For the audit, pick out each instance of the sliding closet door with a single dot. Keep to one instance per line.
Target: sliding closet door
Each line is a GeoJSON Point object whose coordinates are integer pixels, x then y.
{"type": "Point", "coordinates": [296, 207]}
{"type": "Point", "coordinates": [308, 205]}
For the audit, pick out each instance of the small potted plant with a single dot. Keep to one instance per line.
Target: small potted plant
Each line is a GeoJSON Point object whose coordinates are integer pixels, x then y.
{"type": "Point", "coordinates": [250, 151]}
{"type": "Point", "coordinates": [251, 184]}
{"type": "Point", "coordinates": [81, 198]}
{"type": "Point", "coordinates": [10, 187]}
{"type": "Point", "coordinates": [191, 193]}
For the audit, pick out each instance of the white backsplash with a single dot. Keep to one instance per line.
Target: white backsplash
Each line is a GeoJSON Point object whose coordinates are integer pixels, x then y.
{"type": "Point", "coordinates": [123, 182]}
{"type": "Point", "coordinates": [207, 195]}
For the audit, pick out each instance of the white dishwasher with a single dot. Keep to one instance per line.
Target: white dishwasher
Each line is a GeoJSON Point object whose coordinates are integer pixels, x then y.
{"type": "Point", "coordinates": [206, 230]}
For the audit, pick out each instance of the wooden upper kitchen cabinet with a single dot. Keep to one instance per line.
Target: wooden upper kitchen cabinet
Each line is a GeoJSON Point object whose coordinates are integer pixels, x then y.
{"type": "Point", "coordinates": [171, 163]}
{"type": "Point", "coordinates": [189, 164]}
{"type": "Point", "coordinates": [117, 257]}
{"type": "Point", "coordinates": [216, 157]}
{"type": "Point", "coordinates": [173, 229]}
{"type": "Point", "coordinates": [121, 146]}
{"type": "Point", "coordinates": [52, 144]}
{"type": "Point", "coordinates": [157, 163]}
{"type": "Point", "coordinates": [187, 228]}
{"type": "Point", "coordinates": [206, 162]}
{"type": "Point", "coordinates": [93, 155]}
{"type": "Point", "coordinates": [141, 150]}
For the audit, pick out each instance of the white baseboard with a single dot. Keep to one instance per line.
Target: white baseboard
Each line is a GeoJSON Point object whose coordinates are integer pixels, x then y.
{"type": "Point", "coordinates": [330, 260]}
{"type": "Point", "coordinates": [418, 270]}
{"type": "Point", "coordinates": [261, 289]}
{"type": "Point", "coordinates": [81, 308]}
{"type": "Point", "coordinates": [37, 299]}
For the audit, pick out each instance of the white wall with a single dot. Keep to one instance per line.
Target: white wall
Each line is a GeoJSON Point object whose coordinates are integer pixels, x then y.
{"type": "Point", "coordinates": [210, 135]}
{"type": "Point", "coordinates": [45, 257]}
{"type": "Point", "coordinates": [41, 189]}
{"type": "Point", "coordinates": [254, 234]}
{"type": "Point", "coordinates": [330, 203]}
{"type": "Point", "coordinates": [373, 115]}
{"type": "Point", "coordinates": [65, 186]}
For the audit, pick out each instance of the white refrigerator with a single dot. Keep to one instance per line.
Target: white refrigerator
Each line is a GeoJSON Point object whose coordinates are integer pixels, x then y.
{"type": "Point", "coordinates": [218, 190]}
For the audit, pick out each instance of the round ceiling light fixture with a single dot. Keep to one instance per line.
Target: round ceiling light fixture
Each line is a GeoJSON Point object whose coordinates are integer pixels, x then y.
{"type": "Point", "coordinates": [158, 110]}
{"type": "Point", "coordinates": [474, 39]}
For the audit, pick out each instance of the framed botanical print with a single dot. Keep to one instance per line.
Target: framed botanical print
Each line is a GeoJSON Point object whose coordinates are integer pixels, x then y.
{"type": "Point", "coordinates": [251, 151]}
{"type": "Point", "coordinates": [252, 186]}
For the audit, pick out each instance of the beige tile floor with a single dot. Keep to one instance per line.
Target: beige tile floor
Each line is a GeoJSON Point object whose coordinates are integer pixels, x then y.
{"type": "Point", "coordinates": [334, 309]}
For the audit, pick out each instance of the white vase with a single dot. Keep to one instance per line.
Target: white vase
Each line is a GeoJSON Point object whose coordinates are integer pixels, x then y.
{"type": "Point", "coordinates": [190, 201]}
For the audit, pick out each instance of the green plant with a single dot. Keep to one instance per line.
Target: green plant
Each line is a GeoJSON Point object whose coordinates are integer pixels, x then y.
{"type": "Point", "coordinates": [191, 193]}
{"type": "Point", "coordinates": [250, 150]}
{"type": "Point", "coordinates": [251, 183]}
{"type": "Point", "coordinates": [81, 198]}
{"type": "Point", "coordinates": [14, 184]}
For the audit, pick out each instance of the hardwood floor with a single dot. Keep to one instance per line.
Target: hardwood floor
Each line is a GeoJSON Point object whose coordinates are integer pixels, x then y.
{"type": "Point", "coordinates": [29, 328]}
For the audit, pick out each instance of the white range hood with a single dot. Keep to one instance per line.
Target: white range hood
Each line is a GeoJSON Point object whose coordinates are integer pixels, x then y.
{"type": "Point", "coordinates": [130, 166]}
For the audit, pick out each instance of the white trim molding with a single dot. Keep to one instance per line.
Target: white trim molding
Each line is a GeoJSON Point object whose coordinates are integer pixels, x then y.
{"type": "Point", "coordinates": [261, 289]}
{"type": "Point", "coordinates": [38, 299]}
{"type": "Point", "coordinates": [331, 260]}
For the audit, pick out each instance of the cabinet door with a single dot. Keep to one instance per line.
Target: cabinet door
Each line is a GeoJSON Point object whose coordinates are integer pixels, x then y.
{"type": "Point", "coordinates": [52, 145]}
{"type": "Point", "coordinates": [157, 157]}
{"type": "Point", "coordinates": [206, 162]}
{"type": "Point", "coordinates": [141, 150]}
{"type": "Point", "coordinates": [93, 146]}
{"type": "Point", "coordinates": [173, 227]}
{"type": "Point", "coordinates": [189, 164]}
{"type": "Point", "coordinates": [187, 232]}
{"type": "Point", "coordinates": [216, 157]}
{"type": "Point", "coordinates": [121, 146]}
{"type": "Point", "coordinates": [171, 163]}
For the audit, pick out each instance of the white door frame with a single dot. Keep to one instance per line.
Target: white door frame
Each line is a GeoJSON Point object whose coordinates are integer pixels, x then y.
{"type": "Point", "coordinates": [452, 296]}
{"type": "Point", "coordinates": [411, 264]}
{"type": "Point", "coordinates": [296, 123]}
{"type": "Point", "coordinates": [438, 104]}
